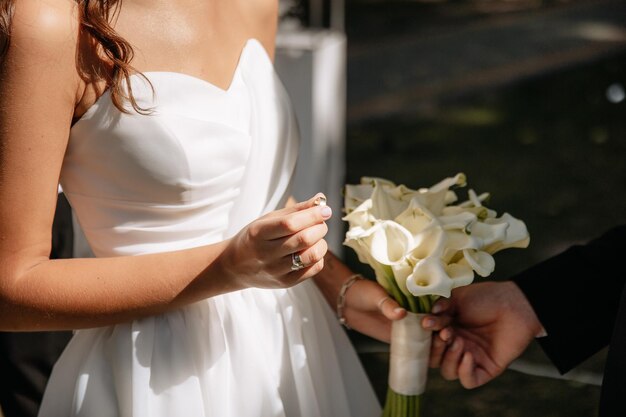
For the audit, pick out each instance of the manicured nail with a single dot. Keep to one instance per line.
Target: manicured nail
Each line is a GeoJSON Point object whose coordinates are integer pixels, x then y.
{"type": "Point", "coordinates": [428, 323]}
{"type": "Point", "coordinates": [398, 310]}
{"type": "Point", "coordinates": [436, 309]}
{"type": "Point", "coordinates": [320, 201]}
{"type": "Point", "coordinates": [326, 212]}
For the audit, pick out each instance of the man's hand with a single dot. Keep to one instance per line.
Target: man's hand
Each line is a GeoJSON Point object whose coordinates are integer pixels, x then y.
{"type": "Point", "coordinates": [482, 329]}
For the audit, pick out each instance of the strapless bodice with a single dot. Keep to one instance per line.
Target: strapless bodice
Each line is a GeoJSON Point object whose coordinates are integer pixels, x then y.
{"type": "Point", "coordinates": [204, 163]}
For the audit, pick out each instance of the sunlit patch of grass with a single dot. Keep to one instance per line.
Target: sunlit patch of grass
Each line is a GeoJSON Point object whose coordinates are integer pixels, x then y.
{"type": "Point", "coordinates": [472, 116]}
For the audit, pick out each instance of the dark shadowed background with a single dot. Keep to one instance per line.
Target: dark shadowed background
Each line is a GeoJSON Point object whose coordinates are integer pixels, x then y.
{"type": "Point", "coordinates": [527, 98]}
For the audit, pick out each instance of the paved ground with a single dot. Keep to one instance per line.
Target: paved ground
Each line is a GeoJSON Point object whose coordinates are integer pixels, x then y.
{"type": "Point", "coordinates": [517, 100]}
{"type": "Point", "coordinates": [396, 64]}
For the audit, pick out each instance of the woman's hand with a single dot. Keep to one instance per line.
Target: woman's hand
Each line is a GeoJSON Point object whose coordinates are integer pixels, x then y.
{"type": "Point", "coordinates": [261, 255]}
{"type": "Point", "coordinates": [369, 309]}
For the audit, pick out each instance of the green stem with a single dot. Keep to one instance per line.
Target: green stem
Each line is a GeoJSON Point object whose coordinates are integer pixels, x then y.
{"type": "Point", "coordinates": [397, 405]}
{"type": "Point", "coordinates": [395, 290]}
{"type": "Point", "coordinates": [413, 304]}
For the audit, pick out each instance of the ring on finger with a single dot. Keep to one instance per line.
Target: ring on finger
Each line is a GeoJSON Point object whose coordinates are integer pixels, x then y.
{"type": "Point", "coordinates": [296, 262]}
{"type": "Point", "coordinates": [382, 301]}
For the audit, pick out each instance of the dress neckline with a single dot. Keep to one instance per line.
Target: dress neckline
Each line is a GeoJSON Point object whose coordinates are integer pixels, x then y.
{"type": "Point", "coordinates": [207, 83]}
{"type": "Point", "coordinates": [153, 75]}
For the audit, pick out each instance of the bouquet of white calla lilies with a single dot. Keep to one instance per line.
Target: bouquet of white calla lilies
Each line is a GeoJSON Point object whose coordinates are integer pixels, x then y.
{"type": "Point", "coordinates": [420, 237]}
{"type": "Point", "coordinates": [421, 245]}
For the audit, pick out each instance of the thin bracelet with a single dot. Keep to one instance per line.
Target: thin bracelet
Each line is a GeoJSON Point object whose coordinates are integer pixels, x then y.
{"type": "Point", "coordinates": [341, 298]}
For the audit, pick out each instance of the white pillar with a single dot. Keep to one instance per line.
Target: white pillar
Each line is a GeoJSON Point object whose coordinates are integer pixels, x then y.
{"type": "Point", "coordinates": [312, 65]}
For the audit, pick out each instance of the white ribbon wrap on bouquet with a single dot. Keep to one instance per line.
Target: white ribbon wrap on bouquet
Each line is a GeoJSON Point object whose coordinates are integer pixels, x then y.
{"type": "Point", "coordinates": [410, 350]}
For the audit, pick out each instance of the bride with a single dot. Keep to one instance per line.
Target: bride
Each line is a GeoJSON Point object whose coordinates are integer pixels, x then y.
{"type": "Point", "coordinates": [175, 143]}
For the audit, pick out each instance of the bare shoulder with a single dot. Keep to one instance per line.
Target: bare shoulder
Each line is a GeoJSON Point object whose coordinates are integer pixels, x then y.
{"type": "Point", "coordinates": [52, 17]}
{"type": "Point", "coordinates": [48, 27]}
{"type": "Point", "coordinates": [42, 52]}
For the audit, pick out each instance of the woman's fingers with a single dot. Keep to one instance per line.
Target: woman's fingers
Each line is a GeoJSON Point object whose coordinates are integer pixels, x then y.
{"type": "Point", "coordinates": [308, 257]}
{"type": "Point", "coordinates": [291, 278]}
{"type": "Point", "coordinates": [301, 240]}
{"type": "Point", "coordinates": [390, 308]}
{"type": "Point", "coordinates": [367, 295]}
{"type": "Point", "coordinates": [276, 227]}
{"type": "Point", "coordinates": [316, 200]}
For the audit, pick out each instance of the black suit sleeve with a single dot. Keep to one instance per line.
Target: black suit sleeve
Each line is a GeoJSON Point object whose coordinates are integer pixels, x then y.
{"type": "Point", "coordinates": [576, 296]}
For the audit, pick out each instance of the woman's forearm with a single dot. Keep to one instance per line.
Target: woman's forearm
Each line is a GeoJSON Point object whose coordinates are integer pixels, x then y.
{"type": "Point", "coordinates": [80, 293]}
{"type": "Point", "coordinates": [331, 278]}
{"type": "Point", "coordinates": [41, 294]}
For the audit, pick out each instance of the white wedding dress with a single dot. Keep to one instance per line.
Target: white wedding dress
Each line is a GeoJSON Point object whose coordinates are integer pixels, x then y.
{"type": "Point", "coordinates": [203, 165]}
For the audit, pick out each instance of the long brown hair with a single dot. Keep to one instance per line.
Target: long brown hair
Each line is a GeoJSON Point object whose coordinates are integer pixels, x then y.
{"type": "Point", "coordinates": [116, 52]}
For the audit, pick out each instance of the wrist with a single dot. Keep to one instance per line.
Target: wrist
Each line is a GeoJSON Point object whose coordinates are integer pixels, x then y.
{"type": "Point", "coordinates": [524, 309]}
{"type": "Point", "coordinates": [341, 297]}
{"type": "Point", "coordinates": [330, 279]}
{"type": "Point", "coordinates": [222, 269]}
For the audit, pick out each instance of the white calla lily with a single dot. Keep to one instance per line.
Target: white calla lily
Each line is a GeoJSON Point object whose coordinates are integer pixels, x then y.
{"type": "Point", "coordinates": [429, 243]}
{"type": "Point", "coordinates": [481, 262]}
{"type": "Point", "coordinates": [355, 195]}
{"type": "Point", "coordinates": [460, 273]}
{"type": "Point", "coordinates": [459, 180]}
{"type": "Point", "coordinates": [361, 216]}
{"type": "Point", "coordinates": [460, 221]}
{"type": "Point", "coordinates": [458, 240]}
{"type": "Point", "coordinates": [387, 205]}
{"type": "Point", "coordinates": [429, 278]}
{"type": "Point", "coordinates": [489, 233]}
{"type": "Point", "coordinates": [439, 195]}
{"type": "Point", "coordinates": [401, 272]}
{"type": "Point", "coordinates": [377, 180]}
{"type": "Point", "coordinates": [364, 255]}
{"type": "Point", "coordinates": [389, 242]}
{"type": "Point", "coordinates": [516, 235]}
{"type": "Point", "coordinates": [414, 219]}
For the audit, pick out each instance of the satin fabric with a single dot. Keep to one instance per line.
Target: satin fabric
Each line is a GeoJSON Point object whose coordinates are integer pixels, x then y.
{"type": "Point", "coordinates": [202, 165]}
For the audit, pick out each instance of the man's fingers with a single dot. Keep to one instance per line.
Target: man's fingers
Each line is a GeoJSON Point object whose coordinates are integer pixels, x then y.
{"type": "Point", "coordinates": [437, 350]}
{"type": "Point", "coordinates": [446, 334]}
{"type": "Point", "coordinates": [451, 359]}
{"type": "Point", "coordinates": [467, 371]}
{"type": "Point", "coordinates": [442, 305]}
{"type": "Point", "coordinates": [436, 323]}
